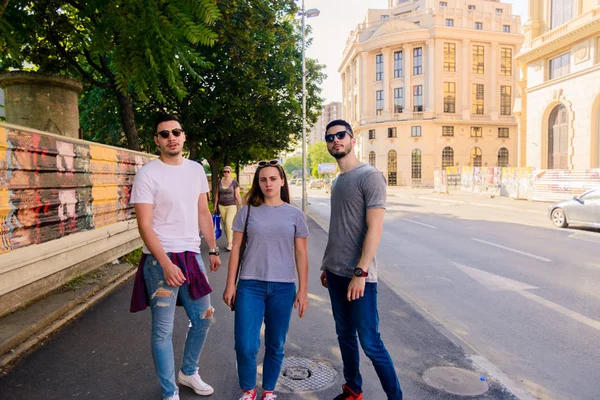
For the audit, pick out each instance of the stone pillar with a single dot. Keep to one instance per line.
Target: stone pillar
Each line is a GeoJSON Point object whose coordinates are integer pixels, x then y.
{"type": "Point", "coordinates": [43, 102]}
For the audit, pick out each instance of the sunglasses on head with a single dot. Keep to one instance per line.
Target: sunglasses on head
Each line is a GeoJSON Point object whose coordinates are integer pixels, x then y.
{"type": "Point", "coordinates": [165, 134]}
{"type": "Point", "coordinates": [340, 135]}
{"type": "Point", "coordinates": [270, 163]}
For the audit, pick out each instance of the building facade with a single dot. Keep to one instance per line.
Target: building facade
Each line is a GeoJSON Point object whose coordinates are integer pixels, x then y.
{"type": "Point", "coordinates": [330, 112]}
{"type": "Point", "coordinates": [559, 125]}
{"type": "Point", "coordinates": [429, 84]}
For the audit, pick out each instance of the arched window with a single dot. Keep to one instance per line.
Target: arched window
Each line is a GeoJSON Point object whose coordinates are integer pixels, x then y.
{"type": "Point", "coordinates": [503, 157]}
{"type": "Point", "coordinates": [416, 163]}
{"type": "Point", "coordinates": [372, 158]}
{"type": "Point", "coordinates": [392, 168]}
{"type": "Point", "coordinates": [476, 157]}
{"type": "Point", "coordinates": [558, 140]}
{"type": "Point", "coordinates": [447, 157]}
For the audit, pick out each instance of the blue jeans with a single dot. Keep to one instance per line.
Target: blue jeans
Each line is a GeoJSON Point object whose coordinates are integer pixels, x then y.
{"type": "Point", "coordinates": [361, 316]}
{"type": "Point", "coordinates": [255, 301]}
{"type": "Point", "coordinates": [163, 316]}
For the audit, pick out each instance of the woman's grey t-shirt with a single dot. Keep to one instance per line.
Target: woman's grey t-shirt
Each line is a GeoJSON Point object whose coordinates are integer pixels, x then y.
{"type": "Point", "coordinates": [269, 254]}
{"type": "Point", "coordinates": [352, 194]}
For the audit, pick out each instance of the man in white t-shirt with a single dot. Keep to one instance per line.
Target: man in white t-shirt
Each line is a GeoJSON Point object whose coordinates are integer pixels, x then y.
{"type": "Point", "coordinates": [169, 195]}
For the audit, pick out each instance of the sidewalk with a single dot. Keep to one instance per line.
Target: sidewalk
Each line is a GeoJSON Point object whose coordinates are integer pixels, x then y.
{"type": "Point", "coordinates": [105, 353]}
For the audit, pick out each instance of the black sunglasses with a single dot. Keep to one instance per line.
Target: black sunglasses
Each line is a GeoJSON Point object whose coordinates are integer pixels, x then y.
{"type": "Point", "coordinates": [271, 163]}
{"type": "Point", "coordinates": [226, 171]}
{"type": "Point", "coordinates": [165, 134]}
{"type": "Point", "coordinates": [340, 135]}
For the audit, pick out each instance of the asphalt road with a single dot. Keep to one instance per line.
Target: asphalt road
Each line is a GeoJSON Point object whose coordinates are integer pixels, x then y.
{"type": "Point", "coordinates": [105, 354]}
{"type": "Point", "coordinates": [522, 294]}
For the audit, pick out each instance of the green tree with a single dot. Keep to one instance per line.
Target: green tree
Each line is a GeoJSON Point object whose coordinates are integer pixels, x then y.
{"type": "Point", "coordinates": [318, 154]}
{"type": "Point", "coordinates": [127, 48]}
{"type": "Point", "coordinates": [292, 164]}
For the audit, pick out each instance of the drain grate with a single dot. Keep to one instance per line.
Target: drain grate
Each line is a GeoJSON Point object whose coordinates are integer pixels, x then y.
{"type": "Point", "coordinates": [305, 375]}
{"type": "Point", "coordinates": [456, 381]}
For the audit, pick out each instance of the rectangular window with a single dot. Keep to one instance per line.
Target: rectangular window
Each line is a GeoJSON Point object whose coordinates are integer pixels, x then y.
{"type": "Point", "coordinates": [505, 61]}
{"type": "Point", "coordinates": [379, 102]}
{"type": "Point", "coordinates": [443, 4]}
{"type": "Point", "coordinates": [560, 66]}
{"type": "Point", "coordinates": [392, 133]}
{"type": "Point", "coordinates": [476, 131]}
{"type": "Point", "coordinates": [385, 16]}
{"type": "Point", "coordinates": [379, 67]}
{"type": "Point", "coordinates": [415, 131]}
{"type": "Point", "coordinates": [418, 98]}
{"type": "Point", "coordinates": [477, 99]}
{"type": "Point", "coordinates": [417, 22]}
{"type": "Point", "coordinates": [447, 131]}
{"type": "Point", "coordinates": [506, 28]}
{"type": "Point", "coordinates": [398, 72]}
{"type": "Point", "coordinates": [449, 97]}
{"type": "Point", "coordinates": [561, 12]}
{"type": "Point", "coordinates": [503, 133]}
{"type": "Point", "coordinates": [479, 26]}
{"type": "Point", "coordinates": [478, 59]}
{"type": "Point", "coordinates": [449, 57]}
{"type": "Point", "coordinates": [471, 8]}
{"type": "Point", "coordinates": [499, 11]}
{"type": "Point", "coordinates": [418, 61]}
{"type": "Point", "coordinates": [371, 134]}
{"type": "Point", "coordinates": [505, 100]}
{"type": "Point", "coordinates": [449, 22]}
{"type": "Point", "coordinates": [398, 100]}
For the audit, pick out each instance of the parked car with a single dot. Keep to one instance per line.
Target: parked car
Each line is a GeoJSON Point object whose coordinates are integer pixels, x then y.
{"type": "Point", "coordinates": [580, 210]}
{"type": "Point", "coordinates": [292, 181]}
{"type": "Point", "coordinates": [299, 182]}
{"type": "Point", "coordinates": [316, 184]}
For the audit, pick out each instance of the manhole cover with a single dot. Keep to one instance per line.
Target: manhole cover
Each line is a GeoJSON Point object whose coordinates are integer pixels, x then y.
{"type": "Point", "coordinates": [456, 381]}
{"type": "Point", "coordinates": [304, 375]}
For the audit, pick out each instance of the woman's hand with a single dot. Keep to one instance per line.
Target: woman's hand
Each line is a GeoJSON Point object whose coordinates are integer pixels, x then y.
{"type": "Point", "coordinates": [301, 303]}
{"type": "Point", "coordinates": [229, 295]}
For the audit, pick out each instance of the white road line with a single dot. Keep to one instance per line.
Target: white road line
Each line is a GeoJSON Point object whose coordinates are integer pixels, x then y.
{"type": "Point", "coordinates": [592, 323]}
{"type": "Point", "coordinates": [513, 250]}
{"type": "Point", "coordinates": [419, 223]}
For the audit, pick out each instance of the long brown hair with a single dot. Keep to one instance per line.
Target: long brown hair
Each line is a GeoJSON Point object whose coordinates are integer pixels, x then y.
{"type": "Point", "coordinates": [255, 196]}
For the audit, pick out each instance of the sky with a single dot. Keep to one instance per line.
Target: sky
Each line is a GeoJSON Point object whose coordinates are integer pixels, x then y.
{"type": "Point", "coordinates": [332, 27]}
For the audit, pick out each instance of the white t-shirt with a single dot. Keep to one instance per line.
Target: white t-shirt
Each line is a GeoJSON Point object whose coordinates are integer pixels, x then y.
{"type": "Point", "coordinates": [174, 191]}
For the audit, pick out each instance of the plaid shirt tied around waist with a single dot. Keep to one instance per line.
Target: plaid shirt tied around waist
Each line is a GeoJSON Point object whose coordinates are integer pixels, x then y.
{"type": "Point", "coordinates": [195, 280]}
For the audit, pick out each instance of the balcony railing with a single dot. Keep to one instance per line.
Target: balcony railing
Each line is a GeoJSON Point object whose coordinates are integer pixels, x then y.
{"type": "Point", "coordinates": [392, 117]}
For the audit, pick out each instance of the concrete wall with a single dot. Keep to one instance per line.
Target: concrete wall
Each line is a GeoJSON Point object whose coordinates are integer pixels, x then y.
{"type": "Point", "coordinates": [45, 102]}
{"type": "Point", "coordinates": [64, 210]}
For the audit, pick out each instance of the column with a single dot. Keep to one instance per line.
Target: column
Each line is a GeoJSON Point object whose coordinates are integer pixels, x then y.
{"type": "Point", "coordinates": [408, 66]}
{"type": "Point", "coordinates": [465, 97]}
{"type": "Point", "coordinates": [493, 99]}
{"type": "Point", "coordinates": [363, 96]}
{"type": "Point", "coordinates": [388, 95]}
{"type": "Point", "coordinates": [431, 74]}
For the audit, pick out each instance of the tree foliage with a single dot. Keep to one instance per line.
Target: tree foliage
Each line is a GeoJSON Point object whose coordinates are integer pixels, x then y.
{"type": "Point", "coordinates": [129, 47]}
{"type": "Point", "coordinates": [292, 164]}
{"type": "Point", "coordinates": [318, 154]}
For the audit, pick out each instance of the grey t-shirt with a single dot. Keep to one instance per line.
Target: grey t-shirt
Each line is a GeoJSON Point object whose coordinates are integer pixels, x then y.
{"type": "Point", "coordinates": [352, 194]}
{"type": "Point", "coordinates": [269, 254]}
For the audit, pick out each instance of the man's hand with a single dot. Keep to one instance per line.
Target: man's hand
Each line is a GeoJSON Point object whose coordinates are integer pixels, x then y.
{"type": "Point", "coordinates": [173, 275]}
{"type": "Point", "coordinates": [301, 303]}
{"type": "Point", "coordinates": [356, 288]}
{"type": "Point", "coordinates": [215, 262]}
{"type": "Point", "coordinates": [324, 279]}
{"type": "Point", "coordinates": [229, 295]}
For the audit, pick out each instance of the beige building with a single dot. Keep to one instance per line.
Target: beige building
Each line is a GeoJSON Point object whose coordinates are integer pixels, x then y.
{"type": "Point", "coordinates": [560, 68]}
{"type": "Point", "coordinates": [429, 84]}
{"type": "Point", "coordinates": [330, 112]}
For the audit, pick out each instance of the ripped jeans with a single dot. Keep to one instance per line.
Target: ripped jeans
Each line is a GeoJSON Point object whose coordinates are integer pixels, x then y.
{"type": "Point", "coordinates": [163, 299]}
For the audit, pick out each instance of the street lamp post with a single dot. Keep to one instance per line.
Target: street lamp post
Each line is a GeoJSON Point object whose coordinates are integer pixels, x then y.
{"type": "Point", "coordinates": [313, 12]}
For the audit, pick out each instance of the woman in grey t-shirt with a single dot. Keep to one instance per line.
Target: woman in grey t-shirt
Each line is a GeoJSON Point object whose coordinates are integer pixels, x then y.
{"type": "Point", "coordinates": [275, 250]}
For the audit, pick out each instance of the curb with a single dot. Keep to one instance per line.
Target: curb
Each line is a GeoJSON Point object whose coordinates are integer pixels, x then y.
{"type": "Point", "coordinates": [26, 341]}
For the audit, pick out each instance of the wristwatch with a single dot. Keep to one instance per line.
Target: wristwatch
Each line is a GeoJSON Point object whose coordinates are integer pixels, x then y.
{"type": "Point", "coordinates": [360, 272]}
{"type": "Point", "coordinates": [213, 252]}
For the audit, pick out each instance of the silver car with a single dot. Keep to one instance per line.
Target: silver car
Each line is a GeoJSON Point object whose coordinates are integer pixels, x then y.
{"type": "Point", "coordinates": [580, 210]}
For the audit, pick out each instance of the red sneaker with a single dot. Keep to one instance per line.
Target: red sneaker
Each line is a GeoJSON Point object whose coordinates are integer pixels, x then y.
{"type": "Point", "coordinates": [348, 394]}
{"type": "Point", "coordinates": [268, 396]}
{"type": "Point", "coordinates": [248, 394]}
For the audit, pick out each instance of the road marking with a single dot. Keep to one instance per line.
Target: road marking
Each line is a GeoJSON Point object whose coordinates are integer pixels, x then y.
{"type": "Point", "coordinates": [499, 283]}
{"type": "Point", "coordinates": [419, 223]}
{"type": "Point", "coordinates": [586, 237]}
{"type": "Point", "coordinates": [524, 253]}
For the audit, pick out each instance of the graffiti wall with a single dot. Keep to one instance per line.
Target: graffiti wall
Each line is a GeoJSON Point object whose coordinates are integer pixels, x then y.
{"type": "Point", "coordinates": [52, 186]}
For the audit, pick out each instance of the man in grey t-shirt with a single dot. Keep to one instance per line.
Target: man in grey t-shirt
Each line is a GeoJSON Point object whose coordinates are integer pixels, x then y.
{"type": "Point", "coordinates": [349, 267]}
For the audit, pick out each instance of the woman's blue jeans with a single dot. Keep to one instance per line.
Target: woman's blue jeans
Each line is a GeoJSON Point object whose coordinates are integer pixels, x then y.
{"type": "Point", "coordinates": [163, 299]}
{"type": "Point", "coordinates": [361, 317]}
{"type": "Point", "coordinates": [255, 301]}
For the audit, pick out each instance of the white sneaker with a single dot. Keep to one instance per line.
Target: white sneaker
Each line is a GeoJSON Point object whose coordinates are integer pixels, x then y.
{"type": "Point", "coordinates": [174, 397]}
{"type": "Point", "coordinates": [196, 383]}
